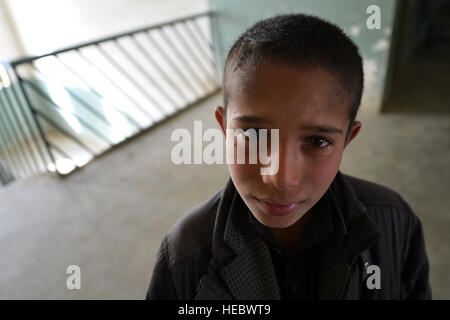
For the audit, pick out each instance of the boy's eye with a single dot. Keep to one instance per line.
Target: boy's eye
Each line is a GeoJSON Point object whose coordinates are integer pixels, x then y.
{"type": "Point", "coordinates": [318, 142]}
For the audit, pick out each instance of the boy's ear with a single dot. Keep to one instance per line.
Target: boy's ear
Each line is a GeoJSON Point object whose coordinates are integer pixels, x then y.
{"type": "Point", "coordinates": [221, 118]}
{"type": "Point", "coordinates": [354, 130]}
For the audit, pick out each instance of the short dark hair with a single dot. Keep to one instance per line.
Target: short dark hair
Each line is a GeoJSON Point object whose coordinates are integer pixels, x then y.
{"type": "Point", "coordinates": [302, 41]}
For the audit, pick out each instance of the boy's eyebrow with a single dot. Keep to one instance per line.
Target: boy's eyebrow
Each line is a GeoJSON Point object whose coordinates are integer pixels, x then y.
{"type": "Point", "coordinates": [325, 129]}
{"type": "Point", "coordinates": [253, 119]}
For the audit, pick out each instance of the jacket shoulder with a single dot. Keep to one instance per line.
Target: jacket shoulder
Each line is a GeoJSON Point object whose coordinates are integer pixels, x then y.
{"type": "Point", "coordinates": [371, 193]}
{"type": "Point", "coordinates": [388, 209]}
{"type": "Point", "coordinates": [193, 231]}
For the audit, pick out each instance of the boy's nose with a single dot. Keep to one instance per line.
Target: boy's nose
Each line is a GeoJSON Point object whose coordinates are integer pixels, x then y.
{"type": "Point", "coordinates": [289, 168]}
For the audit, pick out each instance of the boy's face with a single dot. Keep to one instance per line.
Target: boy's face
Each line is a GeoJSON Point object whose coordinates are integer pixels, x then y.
{"type": "Point", "coordinates": [312, 116]}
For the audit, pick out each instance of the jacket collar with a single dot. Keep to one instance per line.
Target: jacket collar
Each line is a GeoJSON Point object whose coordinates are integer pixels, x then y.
{"type": "Point", "coordinates": [319, 227]}
{"type": "Point", "coordinates": [243, 260]}
{"type": "Point", "coordinates": [240, 258]}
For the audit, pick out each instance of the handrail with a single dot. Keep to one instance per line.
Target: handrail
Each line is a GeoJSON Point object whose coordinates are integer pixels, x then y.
{"type": "Point", "coordinates": [109, 38]}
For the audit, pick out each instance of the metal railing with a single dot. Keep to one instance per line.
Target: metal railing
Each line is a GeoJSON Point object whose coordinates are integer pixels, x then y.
{"type": "Point", "coordinates": [60, 110]}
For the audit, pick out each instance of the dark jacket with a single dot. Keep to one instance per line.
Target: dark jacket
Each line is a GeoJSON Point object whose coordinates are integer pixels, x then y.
{"type": "Point", "coordinates": [213, 252]}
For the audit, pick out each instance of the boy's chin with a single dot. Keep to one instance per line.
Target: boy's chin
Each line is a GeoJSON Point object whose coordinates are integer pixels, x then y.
{"type": "Point", "coordinates": [279, 222]}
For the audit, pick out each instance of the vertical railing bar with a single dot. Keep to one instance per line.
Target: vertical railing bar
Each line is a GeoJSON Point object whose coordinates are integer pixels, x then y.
{"type": "Point", "coordinates": [18, 161]}
{"type": "Point", "coordinates": [27, 151]}
{"type": "Point", "coordinates": [6, 174]}
{"type": "Point", "coordinates": [17, 145]}
{"type": "Point", "coordinates": [136, 104]}
{"type": "Point", "coordinates": [4, 150]}
{"type": "Point", "coordinates": [209, 49]}
{"type": "Point", "coordinates": [33, 113]}
{"type": "Point", "coordinates": [67, 134]}
{"type": "Point", "coordinates": [7, 161]}
{"type": "Point", "coordinates": [2, 171]}
{"type": "Point", "coordinates": [12, 155]}
{"type": "Point", "coordinates": [145, 74]}
{"type": "Point", "coordinates": [123, 114]}
{"type": "Point", "coordinates": [181, 57]}
{"type": "Point", "coordinates": [34, 141]}
{"type": "Point", "coordinates": [172, 63]}
{"type": "Point", "coordinates": [210, 72]}
{"type": "Point", "coordinates": [202, 34]}
{"type": "Point", "coordinates": [193, 54]}
{"type": "Point", "coordinates": [82, 121]}
{"type": "Point", "coordinates": [37, 142]}
{"type": "Point", "coordinates": [194, 35]}
{"type": "Point", "coordinates": [160, 70]}
{"type": "Point", "coordinates": [81, 101]}
{"type": "Point", "coordinates": [117, 66]}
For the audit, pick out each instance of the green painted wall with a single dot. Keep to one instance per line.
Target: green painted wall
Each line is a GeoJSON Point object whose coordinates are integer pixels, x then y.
{"type": "Point", "coordinates": [234, 16]}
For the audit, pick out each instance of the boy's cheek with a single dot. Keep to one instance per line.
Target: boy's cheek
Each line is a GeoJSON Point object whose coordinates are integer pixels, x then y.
{"type": "Point", "coordinates": [321, 173]}
{"type": "Point", "coordinates": [244, 172]}
{"type": "Point", "coordinates": [246, 177]}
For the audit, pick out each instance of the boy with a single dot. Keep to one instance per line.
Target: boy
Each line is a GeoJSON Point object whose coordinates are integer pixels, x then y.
{"type": "Point", "coordinates": [307, 231]}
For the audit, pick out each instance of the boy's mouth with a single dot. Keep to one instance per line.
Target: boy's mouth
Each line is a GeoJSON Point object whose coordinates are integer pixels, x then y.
{"type": "Point", "coordinates": [277, 208]}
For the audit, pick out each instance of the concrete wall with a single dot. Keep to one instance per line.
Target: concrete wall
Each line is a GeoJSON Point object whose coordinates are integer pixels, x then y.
{"type": "Point", "coordinates": [48, 25]}
{"type": "Point", "coordinates": [234, 16]}
{"type": "Point", "coordinates": [10, 45]}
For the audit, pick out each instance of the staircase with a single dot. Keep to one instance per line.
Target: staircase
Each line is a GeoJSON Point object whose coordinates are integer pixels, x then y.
{"type": "Point", "coordinates": [61, 110]}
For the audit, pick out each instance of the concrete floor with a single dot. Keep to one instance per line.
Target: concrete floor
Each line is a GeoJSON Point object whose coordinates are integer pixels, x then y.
{"type": "Point", "coordinates": [110, 217]}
